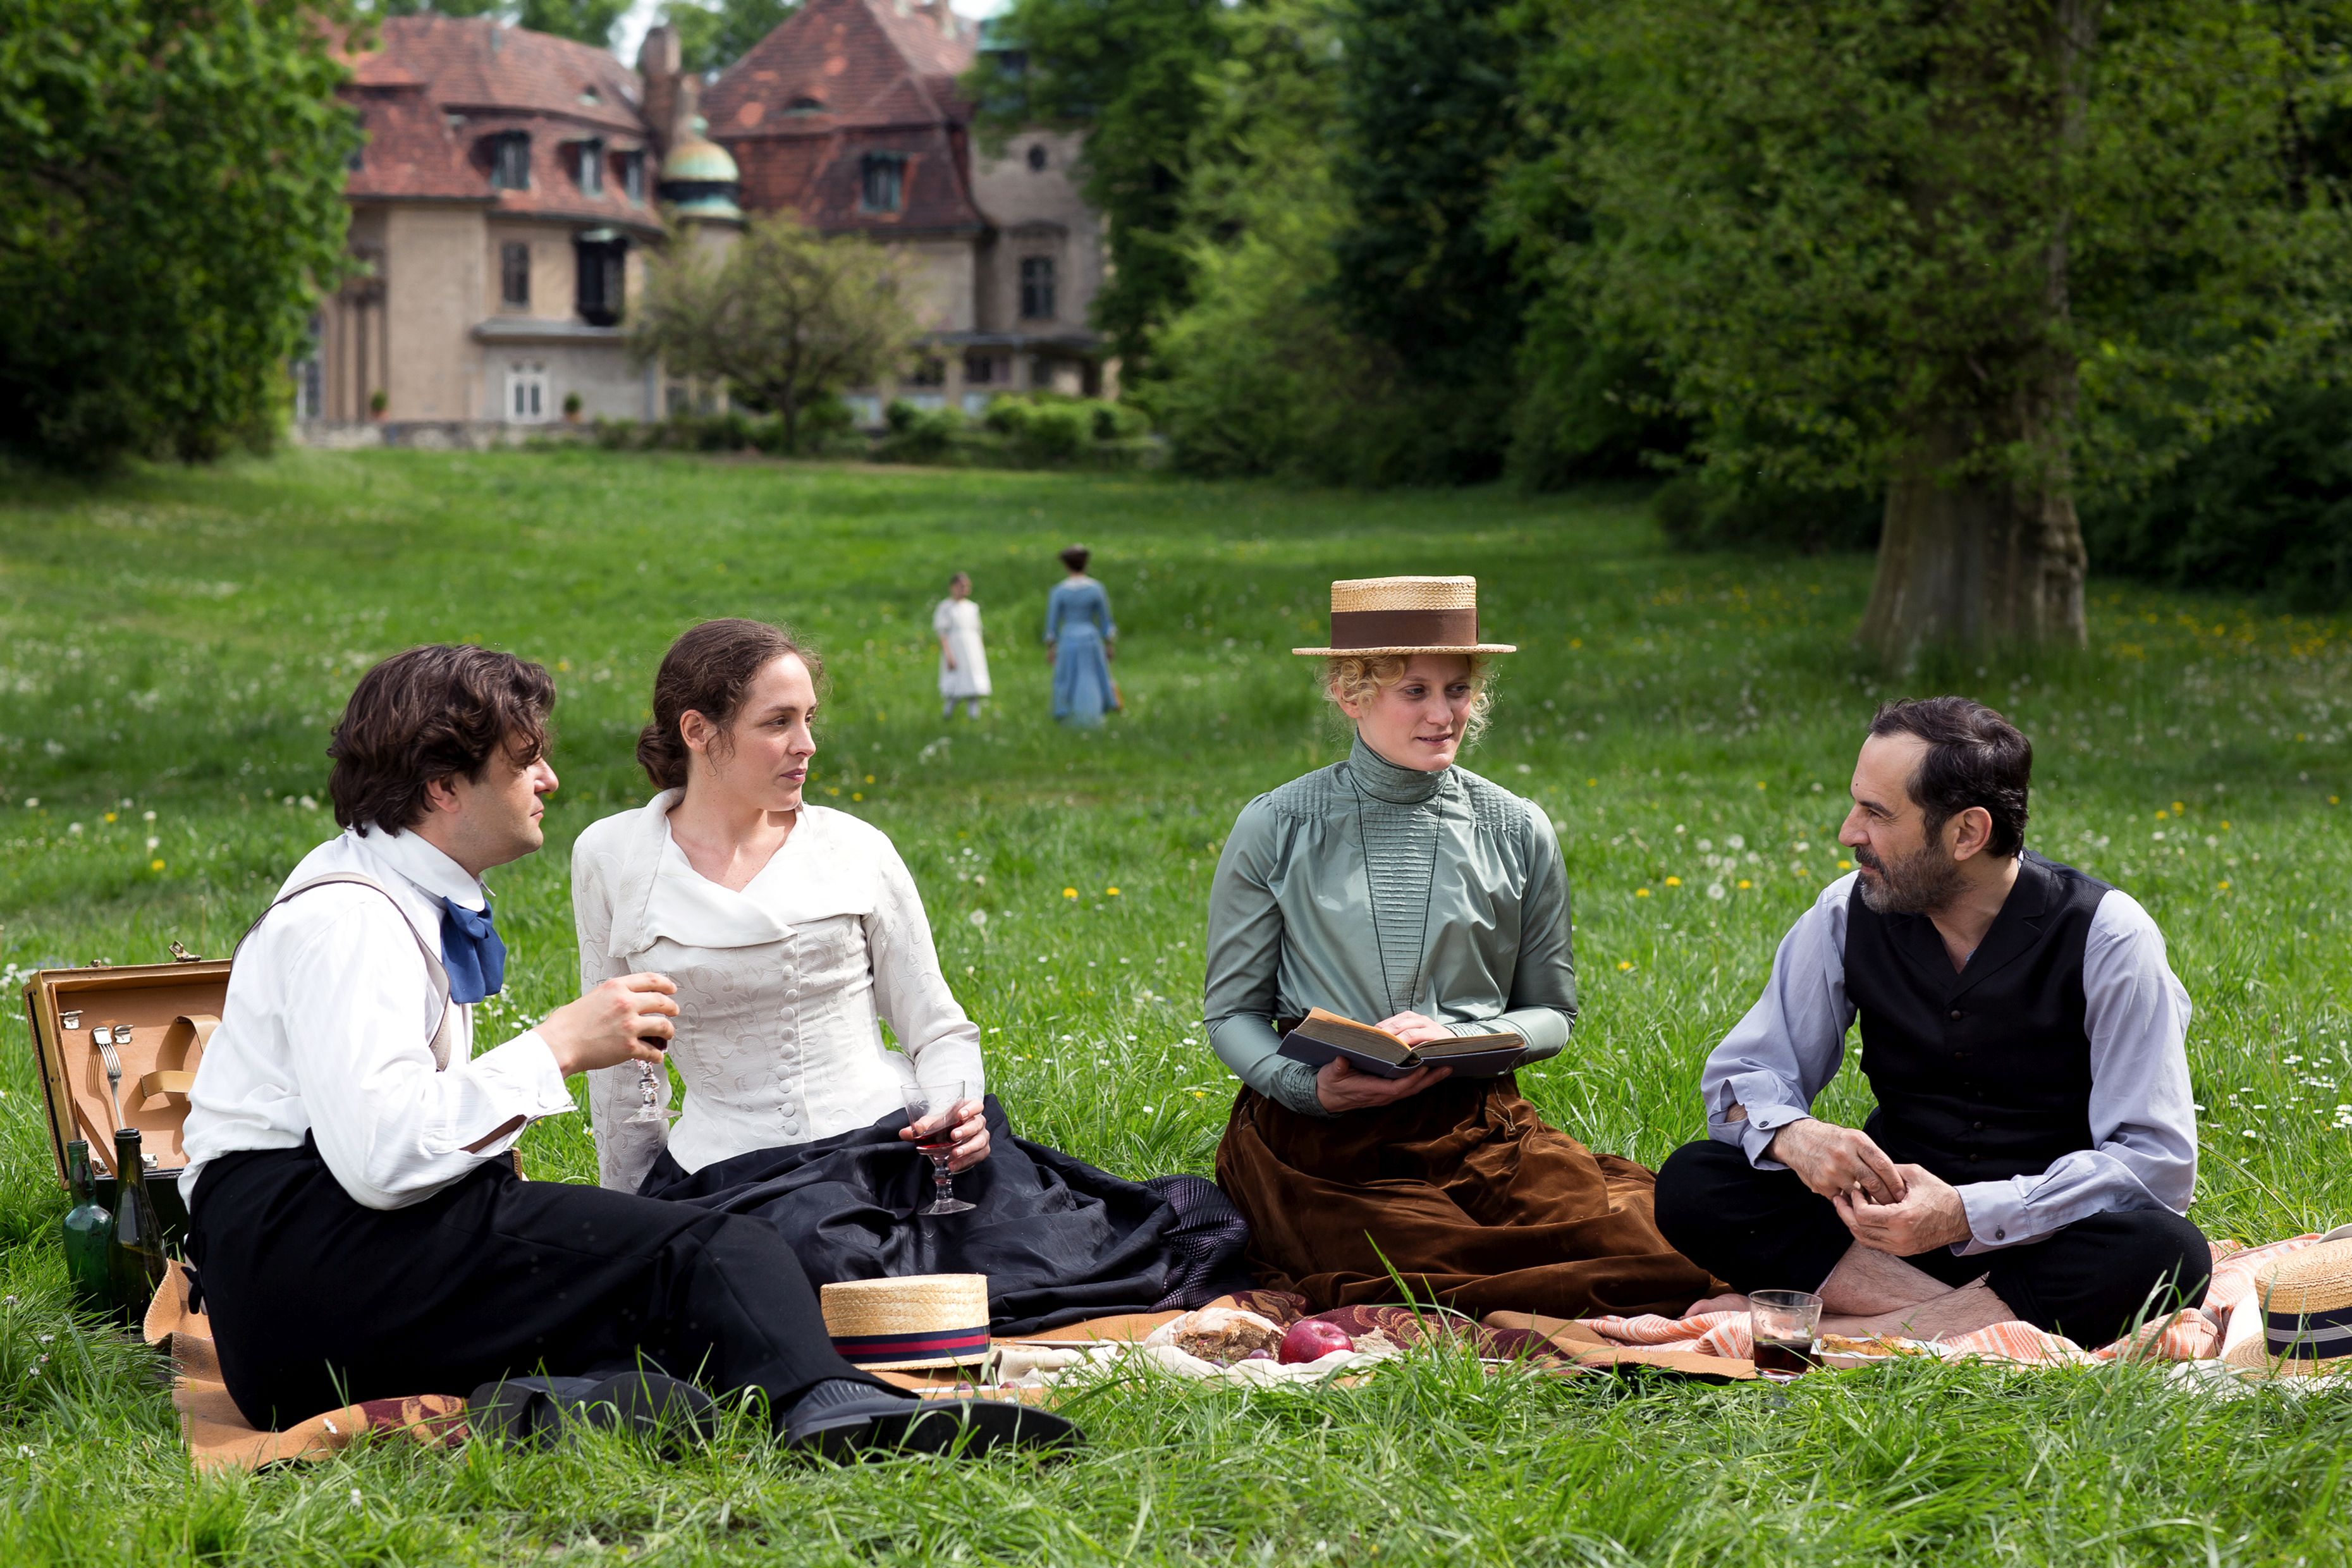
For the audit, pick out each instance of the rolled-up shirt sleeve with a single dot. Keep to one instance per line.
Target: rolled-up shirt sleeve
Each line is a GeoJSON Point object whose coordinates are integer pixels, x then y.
{"type": "Point", "coordinates": [392, 1128]}
{"type": "Point", "coordinates": [2143, 1122]}
{"type": "Point", "coordinates": [1780, 1056]}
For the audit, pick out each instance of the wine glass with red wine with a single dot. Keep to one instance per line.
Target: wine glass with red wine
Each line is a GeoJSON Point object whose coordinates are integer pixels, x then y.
{"type": "Point", "coordinates": [931, 1110]}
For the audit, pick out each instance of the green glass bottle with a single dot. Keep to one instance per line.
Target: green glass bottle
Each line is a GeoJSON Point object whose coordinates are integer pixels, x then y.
{"type": "Point", "coordinates": [89, 1231]}
{"type": "Point", "coordinates": [135, 1265]}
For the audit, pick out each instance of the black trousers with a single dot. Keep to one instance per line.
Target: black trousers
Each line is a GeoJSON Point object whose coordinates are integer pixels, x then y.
{"type": "Point", "coordinates": [1766, 1230]}
{"type": "Point", "coordinates": [317, 1301]}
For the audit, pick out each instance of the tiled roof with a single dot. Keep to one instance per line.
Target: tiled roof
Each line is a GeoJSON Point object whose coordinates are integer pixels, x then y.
{"type": "Point", "coordinates": [838, 80]}
{"type": "Point", "coordinates": [439, 90]}
{"type": "Point", "coordinates": [475, 62]}
{"type": "Point", "coordinates": [411, 154]}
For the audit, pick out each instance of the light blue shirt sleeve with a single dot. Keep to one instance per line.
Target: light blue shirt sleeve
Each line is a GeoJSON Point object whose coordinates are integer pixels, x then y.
{"type": "Point", "coordinates": [1777, 1060]}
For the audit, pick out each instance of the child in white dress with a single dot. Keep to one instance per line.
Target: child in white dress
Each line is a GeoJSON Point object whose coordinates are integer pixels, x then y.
{"type": "Point", "coordinates": [964, 659]}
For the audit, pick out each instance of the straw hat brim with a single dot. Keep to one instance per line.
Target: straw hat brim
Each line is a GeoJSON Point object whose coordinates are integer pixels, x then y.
{"type": "Point", "coordinates": [2317, 1279]}
{"type": "Point", "coordinates": [909, 1322]}
{"type": "Point", "coordinates": [1431, 647]}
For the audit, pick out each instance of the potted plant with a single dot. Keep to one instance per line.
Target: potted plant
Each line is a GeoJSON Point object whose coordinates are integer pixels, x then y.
{"type": "Point", "coordinates": [572, 407]}
{"type": "Point", "coordinates": [377, 403]}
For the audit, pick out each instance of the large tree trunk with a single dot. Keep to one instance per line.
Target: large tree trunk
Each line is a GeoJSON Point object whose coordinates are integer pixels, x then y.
{"type": "Point", "coordinates": [1981, 549]}
{"type": "Point", "coordinates": [1974, 564]}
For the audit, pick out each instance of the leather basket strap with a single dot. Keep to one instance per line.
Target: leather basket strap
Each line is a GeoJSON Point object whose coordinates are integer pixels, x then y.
{"type": "Point", "coordinates": [184, 1043]}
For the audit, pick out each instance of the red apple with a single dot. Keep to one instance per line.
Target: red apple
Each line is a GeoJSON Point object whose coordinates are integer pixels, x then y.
{"type": "Point", "coordinates": [1312, 1339]}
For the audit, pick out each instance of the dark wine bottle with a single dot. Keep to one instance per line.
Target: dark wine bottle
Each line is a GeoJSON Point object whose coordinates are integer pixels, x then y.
{"type": "Point", "coordinates": [88, 1232]}
{"type": "Point", "coordinates": [135, 1265]}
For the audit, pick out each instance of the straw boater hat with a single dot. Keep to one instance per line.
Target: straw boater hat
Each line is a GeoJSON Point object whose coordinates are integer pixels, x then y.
{"type": "Point", "coordinates": [921, 1320]}
{"type": "Point", "coordinates": [1405, 614]}
{"type": "Point", "coordinates": [2305, 1300]}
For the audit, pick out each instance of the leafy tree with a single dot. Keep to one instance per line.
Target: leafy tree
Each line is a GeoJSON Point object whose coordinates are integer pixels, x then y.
{"type": "Point", "coordinates": [170, 202]}
{"type": "Point", "coordinates": [787, 316]}
{"type": "Point", "coordinates": [710, 37]}
{"type": "Point", "coordinates": [1426, 112]}
{"type": "Point", "coordinates": [589, 21]}
{"type": "Point", "coordinates": [1132, 73]}
{"type": "Point", "coordinates": [1973, 256]}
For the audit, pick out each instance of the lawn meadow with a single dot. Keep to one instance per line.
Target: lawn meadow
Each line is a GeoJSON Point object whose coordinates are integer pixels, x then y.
{"type": "Point", "coordinates": [178, 642]}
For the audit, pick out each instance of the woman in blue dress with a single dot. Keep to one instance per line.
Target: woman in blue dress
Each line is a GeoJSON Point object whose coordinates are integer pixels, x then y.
{"type": "Point", "coordinates": [1080, 642]}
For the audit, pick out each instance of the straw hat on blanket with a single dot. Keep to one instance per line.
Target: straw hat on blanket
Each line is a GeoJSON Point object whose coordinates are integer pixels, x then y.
{"type": "Point", "coordinates": [918, 1320]}
{"type": "Point", "coordinates": [1405, 616]}
{"type": "Point", "coordinates": [2305, 1300]}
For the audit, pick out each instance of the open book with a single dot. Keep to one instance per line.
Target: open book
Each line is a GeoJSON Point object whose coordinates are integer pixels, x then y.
{"type": "Point", "coordinates": [1321, 1036]}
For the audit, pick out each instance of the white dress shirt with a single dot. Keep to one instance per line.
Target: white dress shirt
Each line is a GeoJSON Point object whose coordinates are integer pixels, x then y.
{"type": "Point", "coordinates": [328, 1031]}
{"type": "Point", "coordinates": [2143, 1124]}
{"type": "Point", "coordinates": [779, 987]}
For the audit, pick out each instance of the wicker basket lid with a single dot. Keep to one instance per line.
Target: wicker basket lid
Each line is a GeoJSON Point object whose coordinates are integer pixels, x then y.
{"type": "Point", "coordinates": [918, 1321]}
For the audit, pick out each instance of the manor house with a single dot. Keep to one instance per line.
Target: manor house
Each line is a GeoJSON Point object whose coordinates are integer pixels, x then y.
{"type": "Point", "coordinates": [506, 195]}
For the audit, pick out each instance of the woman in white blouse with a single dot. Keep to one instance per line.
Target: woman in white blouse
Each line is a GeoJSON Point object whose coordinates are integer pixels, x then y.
{"type": "Point", "coordinates": [789, 929]}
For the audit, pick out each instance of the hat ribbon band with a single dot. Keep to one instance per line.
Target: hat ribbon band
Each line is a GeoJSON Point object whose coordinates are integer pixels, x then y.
{"type": "Point", "coordinates": [930, 1342]}
{"type": "Point", "coordinates": [2316, 1336]}
{"type": "Point", "coordinates": [1404, 628]}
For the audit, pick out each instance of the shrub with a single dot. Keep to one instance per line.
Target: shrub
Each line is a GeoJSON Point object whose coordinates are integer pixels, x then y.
{"type": "Point", "coordinates": [2266, 508]}
{"type": "Point", "coordinates": [1700, 513]}
{"type": "Point", "coordinates": [918, 434]}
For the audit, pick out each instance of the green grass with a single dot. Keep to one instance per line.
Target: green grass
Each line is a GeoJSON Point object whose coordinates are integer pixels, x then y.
{"type": "Point", "coordinates": [178, 642]}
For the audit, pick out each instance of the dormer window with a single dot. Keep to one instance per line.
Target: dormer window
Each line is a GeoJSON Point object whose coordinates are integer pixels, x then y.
{"type": "Point", "coordinates": [589, 95]}
{"type": "Point", "coordinates": [510, 161]}
{"type": "Point", "coordinates": [805, 105]}
{"type": "Point", "coordinates": [882, 178]}
{"type": "Point", "coordinates": [591, 168]}
{"type": "Point", "coordinates": [633, 175]}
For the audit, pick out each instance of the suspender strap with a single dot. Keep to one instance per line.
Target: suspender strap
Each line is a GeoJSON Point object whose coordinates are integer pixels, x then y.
{"type": "Point", "coordinates": [433, 969]}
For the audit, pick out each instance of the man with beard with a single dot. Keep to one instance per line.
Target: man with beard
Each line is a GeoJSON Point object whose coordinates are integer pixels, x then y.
{"type": "Point", "coordinates": [2034, 1148]}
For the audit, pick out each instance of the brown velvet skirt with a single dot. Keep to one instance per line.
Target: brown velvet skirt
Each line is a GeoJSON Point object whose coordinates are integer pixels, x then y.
{"type": "Point", "coordinates": [1463, 1192]}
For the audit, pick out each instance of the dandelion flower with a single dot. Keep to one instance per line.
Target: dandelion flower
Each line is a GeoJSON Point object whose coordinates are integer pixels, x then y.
{"type": "Point", "coordinates": [1641, 892]}
{"type": "Point", "coordinates": [1110, 892]}
{"type": "Point", "coordinates": [1622, 966]}
{"type": "Point", "coordinates": [1737, 841]}
{"type": "Point", "coordinates": [1674, 881]}
{"type": "Point", "coordinates": [154, 865]}
{"type": "Point", "coordinates": [1845, 865]}
{"type": "Point", "coordinates": [978, 917]}
{"type": "Point", "coordinates": [110, 816]}
{"type": "Point", "coordinates": [1745, 884]}
{"type": "Point", "coordinates": [2221, 887]}
{"type": "Point", "coordinates": [73, 827]}
{"type": "Point", "coordinates": [869, 778]}
{"type": "Point", "coordinates": [1069, 893]}
{"type": "Point", "coordinates": [1714, 890]}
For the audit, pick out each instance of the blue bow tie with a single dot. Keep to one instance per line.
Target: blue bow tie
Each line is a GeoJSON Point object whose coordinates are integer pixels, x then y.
{"type": "Point", "coordinates": [471, 953]}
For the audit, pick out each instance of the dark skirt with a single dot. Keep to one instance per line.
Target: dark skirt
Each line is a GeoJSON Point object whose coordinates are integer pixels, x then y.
{"type": "Point", "coordinates": [1059, 1239]}
{"type": "Point", "coordinates": [1462, 1191]}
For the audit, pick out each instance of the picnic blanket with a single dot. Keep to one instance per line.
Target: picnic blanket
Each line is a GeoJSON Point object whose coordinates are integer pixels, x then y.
{"type": "Point", "coordinates": [2196, 1334]}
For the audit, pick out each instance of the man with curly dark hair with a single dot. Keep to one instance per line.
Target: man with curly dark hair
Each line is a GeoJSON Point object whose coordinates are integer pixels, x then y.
{"type": "Point", "coordinates": [360, 1228]}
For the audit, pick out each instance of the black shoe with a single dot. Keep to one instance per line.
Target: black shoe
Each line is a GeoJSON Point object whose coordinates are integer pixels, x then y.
{"type": "Point", "coordinates": [535, 1412]}
{"type": "Point", "coordinates": [885, 1424]}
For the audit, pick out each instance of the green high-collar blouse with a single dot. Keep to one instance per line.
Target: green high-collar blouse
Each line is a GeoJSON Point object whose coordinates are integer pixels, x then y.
{"type": "Point", "coordinates": [1369, 889]}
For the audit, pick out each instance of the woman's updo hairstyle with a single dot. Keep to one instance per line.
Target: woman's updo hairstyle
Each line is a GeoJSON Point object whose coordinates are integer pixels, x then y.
{"type": "Point", "coordinates": [707, 672]}
{"type": "Point", "coordinates": [1359, 677]}
{"type": "Point", "coordinates": [1077, 556]}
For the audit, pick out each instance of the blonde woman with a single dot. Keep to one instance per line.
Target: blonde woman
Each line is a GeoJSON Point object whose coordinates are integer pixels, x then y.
{"type": "Point", "coordinates": [1398, 889]}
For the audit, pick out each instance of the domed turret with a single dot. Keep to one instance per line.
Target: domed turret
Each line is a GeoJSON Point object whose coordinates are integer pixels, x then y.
{"type": "Point", "coordinates": [700, 179]}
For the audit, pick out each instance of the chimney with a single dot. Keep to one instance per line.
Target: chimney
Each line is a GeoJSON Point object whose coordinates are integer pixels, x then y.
{"type": "Point", "coordinates": [657, 66]}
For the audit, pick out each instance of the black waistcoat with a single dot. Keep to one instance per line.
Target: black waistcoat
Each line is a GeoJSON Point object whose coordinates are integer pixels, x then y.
{"type": "Point", "coordinates": [1984, 1073]}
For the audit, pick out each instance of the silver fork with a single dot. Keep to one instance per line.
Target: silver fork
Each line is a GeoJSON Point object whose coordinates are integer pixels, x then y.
{"type": "Point", "coordinates": [104, 1038]}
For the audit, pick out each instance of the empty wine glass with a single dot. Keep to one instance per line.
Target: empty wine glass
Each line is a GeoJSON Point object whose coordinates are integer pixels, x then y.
{"type": "Point", "coordinates": [924, 1101]}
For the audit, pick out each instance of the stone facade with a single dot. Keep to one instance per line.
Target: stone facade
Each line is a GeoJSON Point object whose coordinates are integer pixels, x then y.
{"type": "Point", "coordinates": [503, 203]}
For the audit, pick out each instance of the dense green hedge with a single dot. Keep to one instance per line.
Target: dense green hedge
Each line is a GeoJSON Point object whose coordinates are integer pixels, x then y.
{"type": "Point", "coordinates": [2266, 508]}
